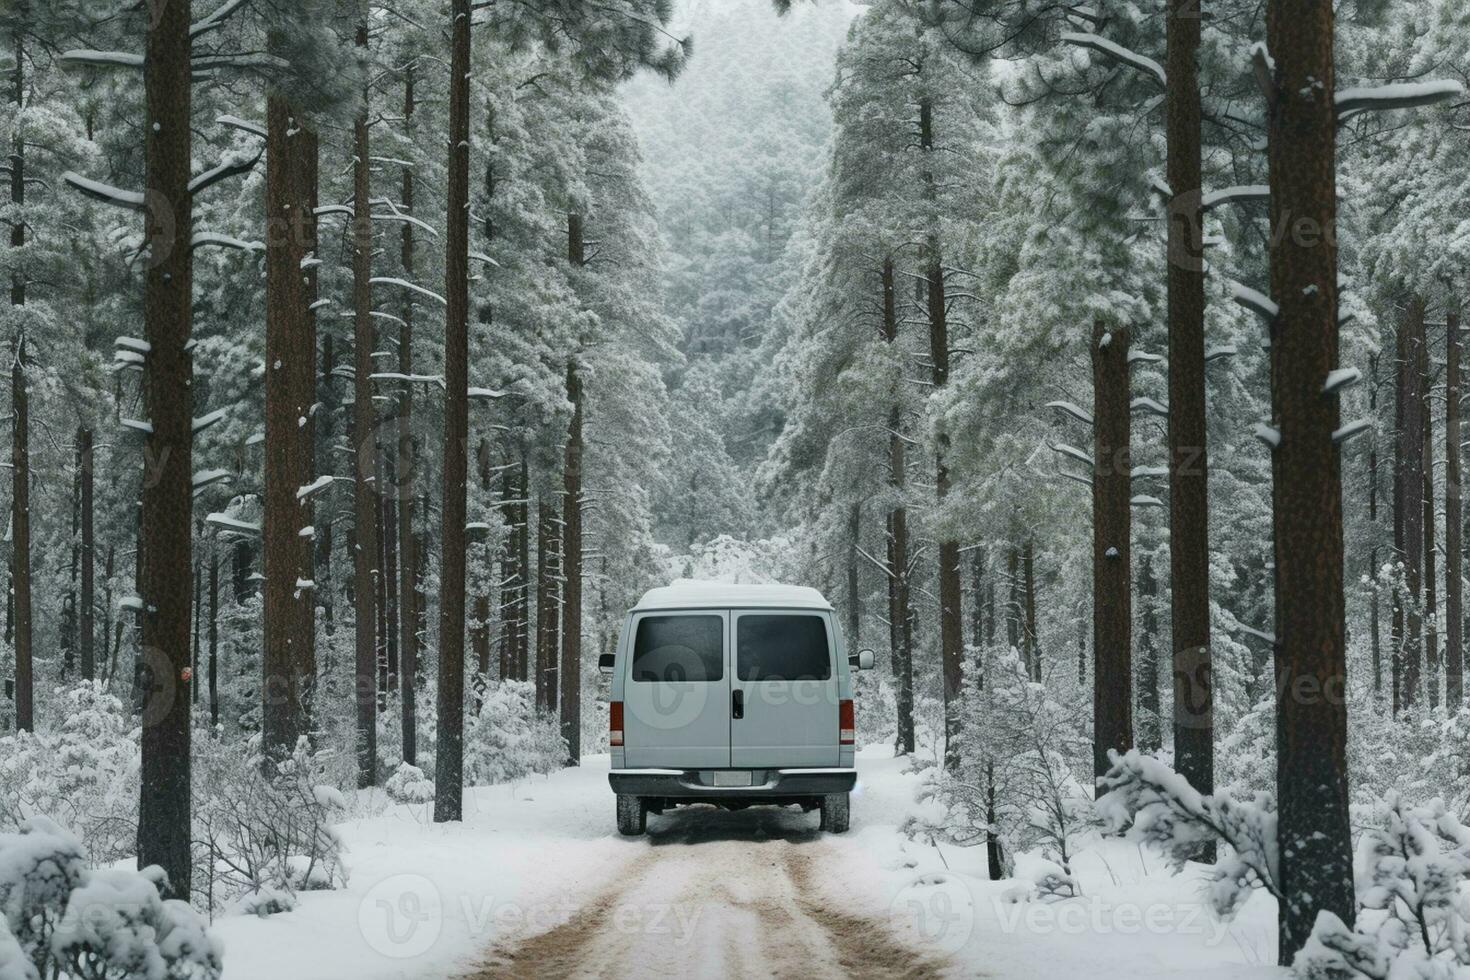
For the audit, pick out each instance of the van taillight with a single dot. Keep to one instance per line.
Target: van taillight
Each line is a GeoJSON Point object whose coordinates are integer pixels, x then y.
{"type": "Point", "coordinates": [615, 723]}
{"type": "Point", "coordinates": [846, 730]}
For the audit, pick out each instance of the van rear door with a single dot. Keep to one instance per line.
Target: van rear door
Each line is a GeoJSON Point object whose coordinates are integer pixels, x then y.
{"type": "Point", "coordinates": [676, 692]}
{"type": "Point", "coordinates": [784, 689]}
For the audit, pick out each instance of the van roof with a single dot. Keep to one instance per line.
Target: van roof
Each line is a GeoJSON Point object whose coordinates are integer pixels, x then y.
{"type": "Point", "coordinates": [692, 594]}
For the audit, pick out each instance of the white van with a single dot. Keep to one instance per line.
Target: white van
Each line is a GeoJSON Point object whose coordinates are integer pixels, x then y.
{"type": "Point", "coordinates": [732, 695]}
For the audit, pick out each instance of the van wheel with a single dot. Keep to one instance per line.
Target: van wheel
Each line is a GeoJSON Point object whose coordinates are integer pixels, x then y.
{"type": "Point", "coordinates": [632, 815]}
{"type": "Point", "coordinates": [834, 813]}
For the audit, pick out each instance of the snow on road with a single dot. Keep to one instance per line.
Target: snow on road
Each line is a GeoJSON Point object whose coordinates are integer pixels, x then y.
{"type": "Point", "coordinates": [536, 882]}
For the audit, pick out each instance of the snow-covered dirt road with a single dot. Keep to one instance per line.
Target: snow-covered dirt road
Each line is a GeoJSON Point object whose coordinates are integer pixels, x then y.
{"type": "Point", "coordinates": [537, 882]}
{"type": "Point", "coordinates": [718, 895]}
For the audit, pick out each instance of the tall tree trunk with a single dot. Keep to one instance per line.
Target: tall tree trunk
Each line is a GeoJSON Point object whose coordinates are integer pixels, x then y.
{"type": "Point", "coordinates": [898, 521]}
{"type": "Point", "coordinates": [1454, 627]}
{"type": "Point", "coordinates": [1374, 627]}
{"type": "Point", "coordinates": [290, 356]}
{"type": "Point", "coordinates": [480, 628]}
{"type": "Point", "coordinates": [449, 752]}
{"type": "Point", "coordinates": [1112, 597]}
{"type": "Point", "coordinates": [1412, 463]}
{"type": "Point", "coordinates": [327, 435]}
{"type": "Point", "coordinates": [1431, 596]}
{"type": "Point", "coordinates": [509, 572]}
{"type": "Point", "coordinates": [1189, 548]}
{"type": "Point", "coordinates": [570, 683]}
{"type": "Point", "coordinates": [523, 593]}
{"type": "Point", "coordinates": [364, 430]}
{"type": "Point", "coordinates": [1150, 724]}
{"type": "Point", "coordinates": [405, 462]}
{"type": "Point", "coordinates": [548, 602]}
{"type": "Point", "coordinates": [1033, 649]}
{"type": "Point", "coordinates": [854, 600]}
{"type": "Point", "coordinates": [20, 472]}
{"type": "Point", "coordinates": [951, 633]}
{"type": "Point", "coordinates": [20, 530]}
{"type": "Point", "coordinates": [1314, 836]}
{"type": "Point", "coordinates": [164, 813]}
{"type": "Point", "coordinates": [1397, 623]}
{"type": "Point", "coordinates": [87, 603]}
{"type": "Point", "coordinates": [213, 638]}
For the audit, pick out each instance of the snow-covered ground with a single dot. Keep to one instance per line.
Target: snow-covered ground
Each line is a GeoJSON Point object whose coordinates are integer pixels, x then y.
{"type": "Point", "coordinates": [536, 881]}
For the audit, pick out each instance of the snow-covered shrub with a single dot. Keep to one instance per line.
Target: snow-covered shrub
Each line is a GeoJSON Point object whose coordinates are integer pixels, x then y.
{"type": "Point", "coordinates": [117, 926]}
{"type": "Point", "coordinates": [84, 774]}
{"type": "Point", "coordinates": [509, 740]}
{"type": "Point", "coordinates": [1154, 804]}
{"type": "Point", "coordinates": [1020, 754]}
{"type": "Point", "coordinates": [408, 784]}
{"type": "Point", "coordinates": [1413, 884]}
{"type": "Point", "coordinates": [40, 866]}
{"type": "Point", "coordinates": [265, 833]}
{"type": "Point", "coordinates": [63, 920]}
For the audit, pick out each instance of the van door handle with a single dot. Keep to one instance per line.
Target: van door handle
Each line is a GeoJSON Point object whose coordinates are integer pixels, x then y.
{"type": "Point", "coordinates": [737, 704]}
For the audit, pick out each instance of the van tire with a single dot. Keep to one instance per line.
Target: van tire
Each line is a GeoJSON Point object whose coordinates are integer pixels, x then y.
{"type": "Point", "coordinates": [834, 813]}
{"type": "Point", "coordinates": [632, 815]}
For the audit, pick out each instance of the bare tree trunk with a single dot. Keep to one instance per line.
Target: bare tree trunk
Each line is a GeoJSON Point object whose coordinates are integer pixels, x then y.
{"type": "Point", "coordinates": [213, 638]}
{"type": "Point", "coordinates": [288, 660]}
{"type": "Point", "coordinates": [1397, 624]}
{"type": "Point", "coordinates": [449, 752]}
{"type": "Point", "coordinates": [364, 430]}
{"type": "Point", "coordinates": [1313, 832]}
{"type": "Point", "coordinates": [405, 461]}
{"type": "Point", "coordinates": [1431, 597]}
{"type": "Point", "coordinates": [1453, 527]}
{"type": "Point", "coordinates": [327, 435]}
{"type": "Point", "coordinates": [480, 627]}
{"type": "Point", "coordinates": [570, 682]}
{"type": "Point", "coordinates": [164, 812]}
{"type": "Point", "coordinates": [854, 600]}
{"type": "Point", "coordinates": [570, 672]}
{"type": "Point", "coordinates": [1150, 724]}
{"type": "Point", "coordinates": [20, 472]}
{"type": "Point", "coordinates": [1189, 547]}
{"type": "Point", "coordinates": [1412, 461]}
{"type": "Point", "coordinates": [87, 603]}
{"type": "Point", "coordinates": [1112, 598]}
{"type": "Point", "coordinates": [523, 593]}
{"type": "Point", "coordinates": [1374, 627]}
{"type": "Point", "coordinates": [951, 634]}
{"type": "Point", "coordinates": [20, 529]}
{"type": "Point", "coordinates": [898, 566]}
{"type": "Point", "coordinates": [1033, 649]}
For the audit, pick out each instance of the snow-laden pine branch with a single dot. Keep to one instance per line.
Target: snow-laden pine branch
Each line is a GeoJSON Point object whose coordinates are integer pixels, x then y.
{"type": "Point", "coordinates": [1399, 95]}
{"type": "Point", "coordinates": [105, 193]}
{"type": "Point", "coordinates": [1118, 53]}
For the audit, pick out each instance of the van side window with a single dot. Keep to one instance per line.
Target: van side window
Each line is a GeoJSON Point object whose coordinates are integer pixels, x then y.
{"type": "Point", "coordinates": [782, 648]}
{"type": "Point", "coordinates": [679, 648]}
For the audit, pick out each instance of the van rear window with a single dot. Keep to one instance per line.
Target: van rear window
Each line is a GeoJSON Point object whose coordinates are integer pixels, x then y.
{"type": "Point", "coordinates": [679, 648]}
{"type": "Point", "coordinates": [782, 648]}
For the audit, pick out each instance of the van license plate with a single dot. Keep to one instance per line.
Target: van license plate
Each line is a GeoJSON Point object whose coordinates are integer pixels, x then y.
{"type": "Point", "coordinates": [735, 778]}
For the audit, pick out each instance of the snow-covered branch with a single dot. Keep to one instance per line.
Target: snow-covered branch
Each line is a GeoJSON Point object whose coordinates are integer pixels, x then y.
{"type": "Point", "coordinates": [1118, 53]}
{"type": "Point", "coordinates": [1075, 411]}
{"type": "Point", "coordinates": [1401, 95]}
{"type": "Point", "coordinates": [105, 193]}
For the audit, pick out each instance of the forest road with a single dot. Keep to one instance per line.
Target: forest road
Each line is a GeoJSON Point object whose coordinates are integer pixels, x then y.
{"type": "Point", "coordinates": [715, 895]}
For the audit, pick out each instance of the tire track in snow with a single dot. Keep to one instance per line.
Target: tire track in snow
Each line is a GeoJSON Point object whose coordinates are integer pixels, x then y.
{"type": "Point", "coordinates": [699, 904]}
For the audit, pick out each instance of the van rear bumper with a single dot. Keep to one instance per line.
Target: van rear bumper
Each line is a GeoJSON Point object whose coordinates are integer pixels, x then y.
{"type": "Point", "coordinates": [693, 785]}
